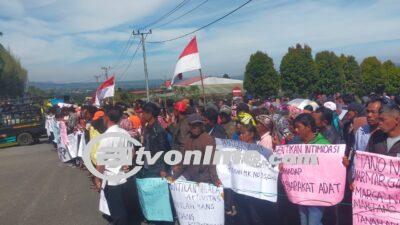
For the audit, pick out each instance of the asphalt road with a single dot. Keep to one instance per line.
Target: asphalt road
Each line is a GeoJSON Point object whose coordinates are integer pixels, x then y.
{"type": "Point", "coordinates": [37, 188]}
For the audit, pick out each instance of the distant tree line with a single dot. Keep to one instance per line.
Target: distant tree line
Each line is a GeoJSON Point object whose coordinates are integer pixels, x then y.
{"type": "Point", "coordinates": [300, 74]}
{"type": "Point", "coordinates": [13, 76]}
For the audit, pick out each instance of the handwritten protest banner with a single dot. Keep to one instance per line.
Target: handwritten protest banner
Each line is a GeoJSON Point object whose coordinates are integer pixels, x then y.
{"type": "Point", "coordinates": [198, 203]}
{"type": "Point", "coordinates": [154, 199]}
{"type": "Point", "coordinates": [318, 176]}
{"type": "Point", "coordinates": [258, 181]}
{"type": "Point", "coordinates": [63, 153]}
{"type": "Point", "coordinates": [72, 145]}
{"type": "Point", "coordinates": [376, 195]}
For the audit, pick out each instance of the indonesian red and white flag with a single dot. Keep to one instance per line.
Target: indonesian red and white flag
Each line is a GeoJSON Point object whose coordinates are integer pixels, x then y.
{"type": "Point", "coordinates": [105, 90]}
{"type": "Point", "coordinates": [188, 60]}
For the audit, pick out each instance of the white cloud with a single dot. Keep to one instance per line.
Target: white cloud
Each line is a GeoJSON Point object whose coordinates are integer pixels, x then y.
{"type": "Point", "coordinates": [11, 8]}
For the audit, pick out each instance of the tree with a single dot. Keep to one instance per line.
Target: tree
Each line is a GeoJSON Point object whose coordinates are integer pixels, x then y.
{"type": "Point", "coordinates": [226, 76]}
{"type": "Point", "coordinates": [330, 73]}
{"type": "Point", "coordinates": [261, 78]}
{"type": "Point", "coordinates": [298, 71]}
{"type": "Point", "coordinates": [391, 74]}
{"type": "Point", "coordinates": [352, 75]}
{"type": "Point", "coordinates": [122, 96]}
{"type": "Point", "coordinates": [13, 76]}
{"type": "Point", "coordinates": [372, 75]}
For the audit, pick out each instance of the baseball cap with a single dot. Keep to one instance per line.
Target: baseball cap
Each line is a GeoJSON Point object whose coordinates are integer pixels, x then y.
{"type": "Point", "coordinates": [195, 118]}
{"type": "Point", "coordinates": [98, 115]}
{"type": "Point", "coordinates": [330, 105]}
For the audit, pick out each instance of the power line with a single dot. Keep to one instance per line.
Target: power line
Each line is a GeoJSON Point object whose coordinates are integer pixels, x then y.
{"type": "Point", "coordinates": [177, 18]}
{"type": "Point", "coordinates": [207, 25]}
{"type": "Point", "coordinates": [130, 62]}
{"type": "Point", "coordinates": [125, 49]}
{"type": "Point", "coordinates": [176, 8]}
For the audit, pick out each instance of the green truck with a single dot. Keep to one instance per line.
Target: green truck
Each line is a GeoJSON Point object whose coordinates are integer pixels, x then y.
{"type": "Point", "coordinates": [20, 124]}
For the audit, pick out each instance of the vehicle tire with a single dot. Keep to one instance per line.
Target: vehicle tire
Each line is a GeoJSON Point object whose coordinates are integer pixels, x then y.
{"type": "Point", "coordinates": [25, 139]}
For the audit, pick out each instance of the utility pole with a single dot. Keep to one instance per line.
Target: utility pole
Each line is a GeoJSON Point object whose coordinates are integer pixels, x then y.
{"type": "Point", "coordinates": [106, 69]}
{"type": "Point", "coordinates": [146, 73]}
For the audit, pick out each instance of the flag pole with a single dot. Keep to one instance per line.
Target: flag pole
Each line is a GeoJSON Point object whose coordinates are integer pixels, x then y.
{"type": "Point", "coordinates": [202, 86]}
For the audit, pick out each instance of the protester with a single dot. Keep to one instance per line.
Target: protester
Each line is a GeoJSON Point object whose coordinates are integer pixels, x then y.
{"type": "Point", "coordinates": [354, 118]}
{"type": "Point", "coordinates": [198, 140]}
{"type": "Point", "coordinates": [226, 121]}
{"type": "Point", "coordinates": [307, 130]}
{"type": "Point", "coordinates": [243, 114]}
{"type": "Point", "coordinates": [386, 140]}
{"type": "Point", "coordinates": [265, 128]}
{"type": "Point", "coordinates": [364, 132]}
{"type": "Point", "coordinates": [155, 140]}
{"type": "Point", "coordinates": [119, 194]}
{"type": "Point", "coordinates": [323, 120]}
{"type": "Point", "coordinates": [253, 211]}
{"type": "Point", "coordinates": [212, 127]}
{"type": "Point", "coordinates": [195, 127]}
{"type": "Point", "coordinates": [180, 127]}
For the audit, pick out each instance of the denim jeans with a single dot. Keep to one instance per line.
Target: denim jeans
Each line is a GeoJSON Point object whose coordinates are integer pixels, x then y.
{"type": "Point", "coordinates": [311, 215]}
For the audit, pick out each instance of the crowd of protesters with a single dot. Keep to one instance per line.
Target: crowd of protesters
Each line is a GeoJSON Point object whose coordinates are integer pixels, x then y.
{"type": "Point", "coordinates": [369, 124]}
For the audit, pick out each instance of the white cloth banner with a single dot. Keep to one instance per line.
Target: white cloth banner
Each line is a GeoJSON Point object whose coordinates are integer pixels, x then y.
{"type": "Point", "coordinates": [82, 143]}
{"type": "Point", "coordinates": [198, 203]}
{"type": "Point", "coordinates": [63, 153]}
{"type": "Point", "coordinates": [72, 145]}
{"type": "Point", "coordinates": [259, 181]}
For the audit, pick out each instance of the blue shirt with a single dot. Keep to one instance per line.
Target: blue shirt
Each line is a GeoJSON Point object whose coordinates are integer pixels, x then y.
{"type": "Point", "coordinates": [362, 137]}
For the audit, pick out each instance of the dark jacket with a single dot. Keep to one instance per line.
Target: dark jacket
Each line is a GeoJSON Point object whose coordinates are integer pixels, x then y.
{"type": "Point", "coordinates": [217, 132]}
{"type": "Point", "coordinates": [155, 140]}
{"type": "Point", "coordinates": [180, 133]}
{"type": "Point", "coordinates": [377, 144]}
{"type": "Point", "coordinates": [332, 135]}
{"type": "Point", "coordinates": [198, 173]}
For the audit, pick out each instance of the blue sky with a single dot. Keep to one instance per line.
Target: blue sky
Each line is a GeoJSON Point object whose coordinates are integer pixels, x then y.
{"type": "Point", "coordinates": [70, 40]}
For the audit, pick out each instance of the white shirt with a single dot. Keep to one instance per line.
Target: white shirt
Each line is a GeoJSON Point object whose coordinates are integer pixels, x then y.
{"type": "Point", "coordinates": [391, 141]}
{"type": "Point", "coordinates": [114, 142]}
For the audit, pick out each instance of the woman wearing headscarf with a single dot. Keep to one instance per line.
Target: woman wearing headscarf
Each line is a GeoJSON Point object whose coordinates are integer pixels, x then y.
{"type": "Point", "coordinates": [265, 126]}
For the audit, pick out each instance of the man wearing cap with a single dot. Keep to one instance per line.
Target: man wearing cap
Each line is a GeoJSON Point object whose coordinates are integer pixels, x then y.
{"type": "Point", "coordinates": [198, 140]}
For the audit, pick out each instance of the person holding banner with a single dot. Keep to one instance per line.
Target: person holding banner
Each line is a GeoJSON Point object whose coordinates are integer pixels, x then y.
{"type": "Point", "coordinates": [386, 140]}
{"type": "Point", "coordinates": [119, 194]}
{"type": "Point", "coordinates": [155, 140]}
{"type": "Point", "coordinates": [254, 211]}
{"type": "Point", "coordinates": [307, 130]}
{"type": "Point", "coordinates": [198, 140]}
